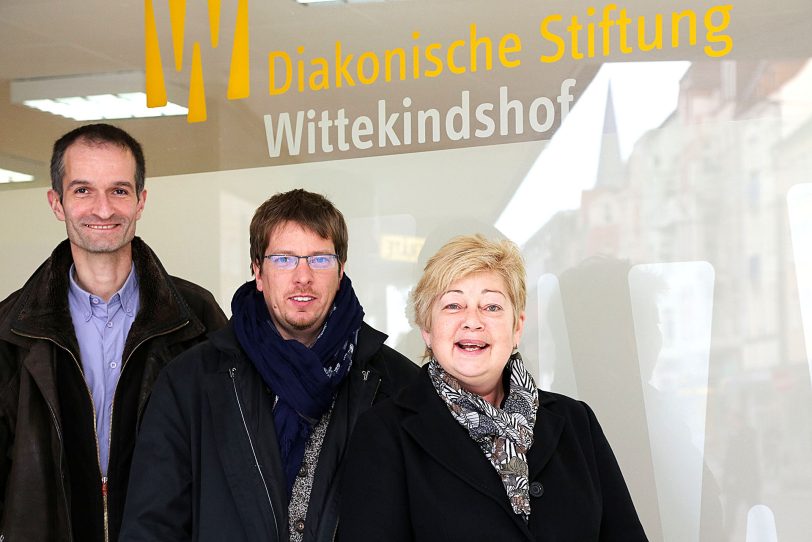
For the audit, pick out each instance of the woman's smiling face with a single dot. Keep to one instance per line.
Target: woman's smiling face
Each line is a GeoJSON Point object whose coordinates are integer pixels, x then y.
{"type": "Point", "coordinates": [473, 331]}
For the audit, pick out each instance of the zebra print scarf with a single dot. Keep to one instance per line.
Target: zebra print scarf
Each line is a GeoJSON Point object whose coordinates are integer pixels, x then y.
{"type": "Point", "coordinates": [504, 434]}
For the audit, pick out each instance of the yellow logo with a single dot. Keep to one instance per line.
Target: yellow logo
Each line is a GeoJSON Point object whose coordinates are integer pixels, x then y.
{"type": "Point", "coordinates": [238, 79]}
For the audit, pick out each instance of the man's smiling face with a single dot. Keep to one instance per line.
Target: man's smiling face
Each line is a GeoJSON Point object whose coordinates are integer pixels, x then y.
{"type": "Point", "coordinates": [99, 203]}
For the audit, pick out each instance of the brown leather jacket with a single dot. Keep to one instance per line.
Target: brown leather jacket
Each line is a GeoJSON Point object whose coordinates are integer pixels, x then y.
{"type": "Point", "coordinates": [50, 484]}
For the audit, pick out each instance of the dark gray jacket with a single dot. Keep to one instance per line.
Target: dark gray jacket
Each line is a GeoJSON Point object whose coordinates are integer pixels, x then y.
{"type": "Point", "coordinates": [50, 484]}
{"type": "Point", "coordinates": [207, 463]}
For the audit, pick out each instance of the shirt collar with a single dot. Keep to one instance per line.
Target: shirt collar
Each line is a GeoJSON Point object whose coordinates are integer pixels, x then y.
{"type": "Point", "coordinates": [127, 294]}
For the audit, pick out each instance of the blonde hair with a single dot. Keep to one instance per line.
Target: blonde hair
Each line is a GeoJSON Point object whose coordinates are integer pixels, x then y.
{"type": "Point", "coordinates": [463, 256]}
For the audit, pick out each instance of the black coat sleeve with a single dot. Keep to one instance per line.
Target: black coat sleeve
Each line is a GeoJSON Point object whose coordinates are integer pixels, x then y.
{"type": "Point", "coordinates": [159, 498]}
{"type": "Point", "coordinates": [9, 395]}
{"type": "Point", "coordinates": [6, 443]}
{"type": "Point", "coordinates": [619, 520]}
{"type": "Point", "coordinates": [374, 501]}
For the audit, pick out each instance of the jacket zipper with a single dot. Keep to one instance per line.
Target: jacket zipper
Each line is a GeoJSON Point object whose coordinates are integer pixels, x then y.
{"type": "Point", "coordinates": [104, 479]}
{"type": "Point", "coordinates": [104, 502]}
{"type": "Point", "coordinates": [231, 372]}
{"type": "Point", "coordinates": [377, 387]}
{"type": "Point", "coordinates": [110, 432]}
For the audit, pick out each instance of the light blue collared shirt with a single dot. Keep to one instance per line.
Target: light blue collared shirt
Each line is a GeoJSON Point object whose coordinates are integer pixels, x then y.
{"type": "Point", "coordinates": [101, 330]}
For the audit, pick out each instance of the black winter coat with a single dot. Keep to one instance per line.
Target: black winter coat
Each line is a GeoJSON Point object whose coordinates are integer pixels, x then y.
{"type": "Point", "coordinates": [207, 464]}
{"type": "Point", "coordinates": [50, 483]}
{"type": "Point", "coordinates": [414, 474]}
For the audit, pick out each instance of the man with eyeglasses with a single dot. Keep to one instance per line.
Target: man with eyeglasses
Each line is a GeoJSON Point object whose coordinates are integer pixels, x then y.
{"type": "Point", "coordinates": [81, 344]}
{"type": "Point", "coordinates": [245, 434]}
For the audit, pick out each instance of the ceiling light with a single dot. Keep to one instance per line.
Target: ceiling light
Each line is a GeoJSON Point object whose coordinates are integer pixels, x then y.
{"type": "Point", "coordinates": [8, 176]}
{"type": "Point", "coordinates": [91, 97]}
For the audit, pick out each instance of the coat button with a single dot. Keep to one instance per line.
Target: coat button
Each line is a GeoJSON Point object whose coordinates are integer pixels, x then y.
{"type": "Point", "coordinates": [536, 489]}
{"type": "Point", "coordinates": [298, 525]}
{"type": "Point", "coordinates": [303, 470]}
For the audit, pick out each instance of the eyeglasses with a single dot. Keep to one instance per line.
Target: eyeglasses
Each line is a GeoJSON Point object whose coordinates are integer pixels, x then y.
{"type": "Point", "coordinates": [317, 262]}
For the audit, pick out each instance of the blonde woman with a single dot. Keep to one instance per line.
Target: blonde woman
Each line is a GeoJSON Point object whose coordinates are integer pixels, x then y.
{"type": "Point", "coordinates": [473, 450]}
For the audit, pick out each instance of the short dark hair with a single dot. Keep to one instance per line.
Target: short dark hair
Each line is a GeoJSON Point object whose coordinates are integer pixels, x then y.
{"type": "Point", "coordinates": [311, 211]}
{"type": "Point", "coordinates": [96, 134]}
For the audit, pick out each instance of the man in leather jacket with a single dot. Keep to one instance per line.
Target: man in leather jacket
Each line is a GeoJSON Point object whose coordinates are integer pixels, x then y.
{"type": "Point", "coordinates": [245, 434]}
{"type": "Point", "coordinates": [81, 344]}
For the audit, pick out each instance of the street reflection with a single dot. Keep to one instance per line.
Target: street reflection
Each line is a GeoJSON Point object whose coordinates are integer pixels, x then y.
{"type": "Point", "coordinates": [700, 372]}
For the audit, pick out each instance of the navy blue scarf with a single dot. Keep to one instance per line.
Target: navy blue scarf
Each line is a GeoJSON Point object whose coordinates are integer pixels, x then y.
{"type": "Point", "coordinates": [304, 379]}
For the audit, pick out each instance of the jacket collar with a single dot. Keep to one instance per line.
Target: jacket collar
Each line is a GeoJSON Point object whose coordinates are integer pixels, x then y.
{"type": "Point", "coordinates": [433, 428]}
{"type": "Point", "coordinates": [41, 309]}
{"type": "Point", "coordinates": [354, 396]}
